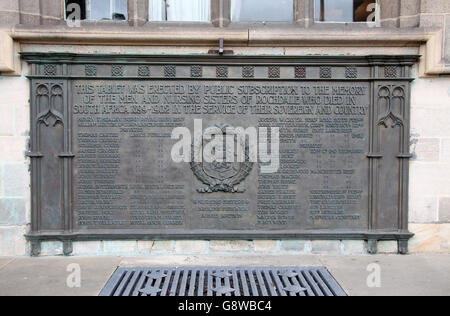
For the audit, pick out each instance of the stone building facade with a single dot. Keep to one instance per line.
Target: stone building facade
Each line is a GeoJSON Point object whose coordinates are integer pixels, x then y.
{"type": "Point", "coordinates": [403, 27]}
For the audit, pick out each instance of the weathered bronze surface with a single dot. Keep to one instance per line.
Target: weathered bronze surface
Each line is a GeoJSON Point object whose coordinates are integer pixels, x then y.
{"type": "Point", "coordinates": [101, 147]}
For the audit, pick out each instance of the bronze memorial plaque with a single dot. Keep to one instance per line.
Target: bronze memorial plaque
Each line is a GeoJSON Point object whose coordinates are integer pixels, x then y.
{"type": "Point", "coordinates": [121, 147]}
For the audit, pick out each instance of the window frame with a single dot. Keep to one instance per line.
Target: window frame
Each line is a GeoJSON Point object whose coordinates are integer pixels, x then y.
{"type": "Point", "coordinates": [153, 22]}
{"type": "Point", "coordinates": [88, 13]}
{"type": "Point", "coordinates": [303, 17]}
{"type": "Point", "coordinates": [294, 17]}
{"type": "Point", "coordinates": [368, 24]}
{"type": "Point", "coordinates": [221, 17]}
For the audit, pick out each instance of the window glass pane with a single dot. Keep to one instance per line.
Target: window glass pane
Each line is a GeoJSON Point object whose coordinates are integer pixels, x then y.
{"type": "Point", "coordinates": [120, 10]}
{"type": "Point", "coordinates": [100, 9]}
{"type": "Point", "coordinates": [157, 10]}
{"type": "Point", "coordinates": [108, 10]}
{"type": "Point", "coordinates": [363, 9]}
{"type": "Point", "coordinates": [180, 10]}
{"type": "Point", "coordinates": [262, 10]}
{"type": "Point", "coordinates": [343, 10]}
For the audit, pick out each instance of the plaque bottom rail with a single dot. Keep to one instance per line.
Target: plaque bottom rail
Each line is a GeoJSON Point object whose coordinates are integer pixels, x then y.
{"type": "Point", "coordinates": [224, 235]}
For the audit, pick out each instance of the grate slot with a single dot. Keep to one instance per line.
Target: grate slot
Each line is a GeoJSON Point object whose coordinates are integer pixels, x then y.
{"type": "Point", "coordinates": [305, 284]}
{"type": "Point", "coordinates": [192, 283]}
{"type": "Point", "coordinates": [321, 284]}
{"type": "Point", "coordinates": [236, 285]}
{"type": "Point", "coordinates": [132, 283]}
{"type": "Point", "coordinates": [210, 284]}
{"type": "Point", "coordinates": [278, 283]}
{"type": "Point", "coordinates": [312, 282]}
{"type": "Point", "coordinates": [244, 283]}
{"type": "Point", "coordinates": [168, 278]}
{"type": "Point", "coordinates": [140, 283]}
{"type": "Point", "coordinates": [184, 281]}
{"type": "Point", "coordinates": [222, 282]}
{"type": "Point", "coordinates": [252, 283]}
{"type": "Point", "coordinates": [174, 288]}
{"type": "Point", "coordinates": [122, 285]}
{"type": "Point", "coordinates": [331, 283]}
{"type": "Point", "coordinates": [201, 283]}
{"type": "Point", "coordinates": [270, 283]}
{"type": "Point", "coordinates": [261, 283]}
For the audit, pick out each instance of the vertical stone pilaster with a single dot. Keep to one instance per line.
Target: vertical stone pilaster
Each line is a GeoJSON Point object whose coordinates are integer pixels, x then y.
{"type": "Point", "coordinates": [9, 12]}
{"type": "Point", "coordinates": [51, 12]}
{"type": "Point", "coordinates": [390, 13]}
{"type": "Point", "coordinates": [410, 13]}
{"type": "Point", "coordinates": [221, 12]}
{"type": "Point", "coordinates": [137, 12]}
{"type": "Point", "coordinates": [304, 12]}
{"type": "Point", "coordinates": [30, 12]}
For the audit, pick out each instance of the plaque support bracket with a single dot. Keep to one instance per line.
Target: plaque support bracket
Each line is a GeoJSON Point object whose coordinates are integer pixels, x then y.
{"type": "Point", "coordinates": [66, 155]}
{"type": "Point", "coordinates": [374, 155]}
{"type": "Point", "coordinates": [67, 247]}
{"type": "Point", "coordinates": [372, 246]}
{"type": "Point", "coordinates": [35, 245]}
{"type": "Point", "coordinates": [403, 246]}
{"type": "Point", "coordinates": [405, 156]}
{"type": "Point", "coordinates": [34, 155]}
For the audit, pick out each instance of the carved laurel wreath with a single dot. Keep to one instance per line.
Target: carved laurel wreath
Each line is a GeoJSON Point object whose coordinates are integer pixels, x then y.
{"type": "Point", "coordinates": [228, 185]}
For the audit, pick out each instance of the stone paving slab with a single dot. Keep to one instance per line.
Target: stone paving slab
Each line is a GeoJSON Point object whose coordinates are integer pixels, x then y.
{"type": "Point", "coordinates": [48, 276]}
{"type": "Point", "coordinates": [5, 261]}
{"type": "Point", "coordinates": [414, 275]}
{"type": "Point", "coordinates": [218, 260]}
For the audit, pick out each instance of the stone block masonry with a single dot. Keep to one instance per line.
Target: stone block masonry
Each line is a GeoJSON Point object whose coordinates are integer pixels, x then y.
{"type": "Point", "coordinates": [430, 146]}
{"type": "Point", "coordinates": [429, 179]}
{"type": "Point", "coordinates": [202, 247]}
{"type": "Point", "coordinates": [14, 167]}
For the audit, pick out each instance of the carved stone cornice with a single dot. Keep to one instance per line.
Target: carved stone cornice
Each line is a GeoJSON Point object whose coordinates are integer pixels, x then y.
{"type": "Point", "coordinates": [429, 40]}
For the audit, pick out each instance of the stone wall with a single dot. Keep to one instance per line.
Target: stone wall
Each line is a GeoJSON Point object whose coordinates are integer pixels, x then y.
{"type": "Point", "coordinates": [436, 13]}
{"type": "Point", "coordinates": [429, 181]}
{"type": "Point", "coordinates": [430, 168]}
{"type": "Point", "coordinates": [14, 173]}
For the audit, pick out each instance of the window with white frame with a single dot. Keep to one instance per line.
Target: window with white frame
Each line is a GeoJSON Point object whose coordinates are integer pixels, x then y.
{"type": "Point", "coordinates": [345, 10]}
{"type": "Point", "coordinates": [180, 10]}
{"type": "Point", "coordinates": [97, 10]}
{"type": "Point", "coordinates": [262, 10]}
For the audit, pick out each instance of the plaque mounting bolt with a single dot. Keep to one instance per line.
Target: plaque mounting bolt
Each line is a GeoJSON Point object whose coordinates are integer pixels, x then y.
{"type": "Point", "coordinates": [221, 51]}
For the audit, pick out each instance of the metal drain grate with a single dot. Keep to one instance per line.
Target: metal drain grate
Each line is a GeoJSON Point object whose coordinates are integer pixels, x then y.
{"type": "Point", "coordinates": [222, 282]}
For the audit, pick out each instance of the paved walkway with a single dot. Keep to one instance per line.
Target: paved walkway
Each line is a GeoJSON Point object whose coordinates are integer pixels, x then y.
{"type": "Point", "coordinates": [399, 275]}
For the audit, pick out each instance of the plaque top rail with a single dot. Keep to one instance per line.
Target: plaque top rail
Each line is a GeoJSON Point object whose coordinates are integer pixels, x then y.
{"type": "Point", "coordinates": [232, 59]}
